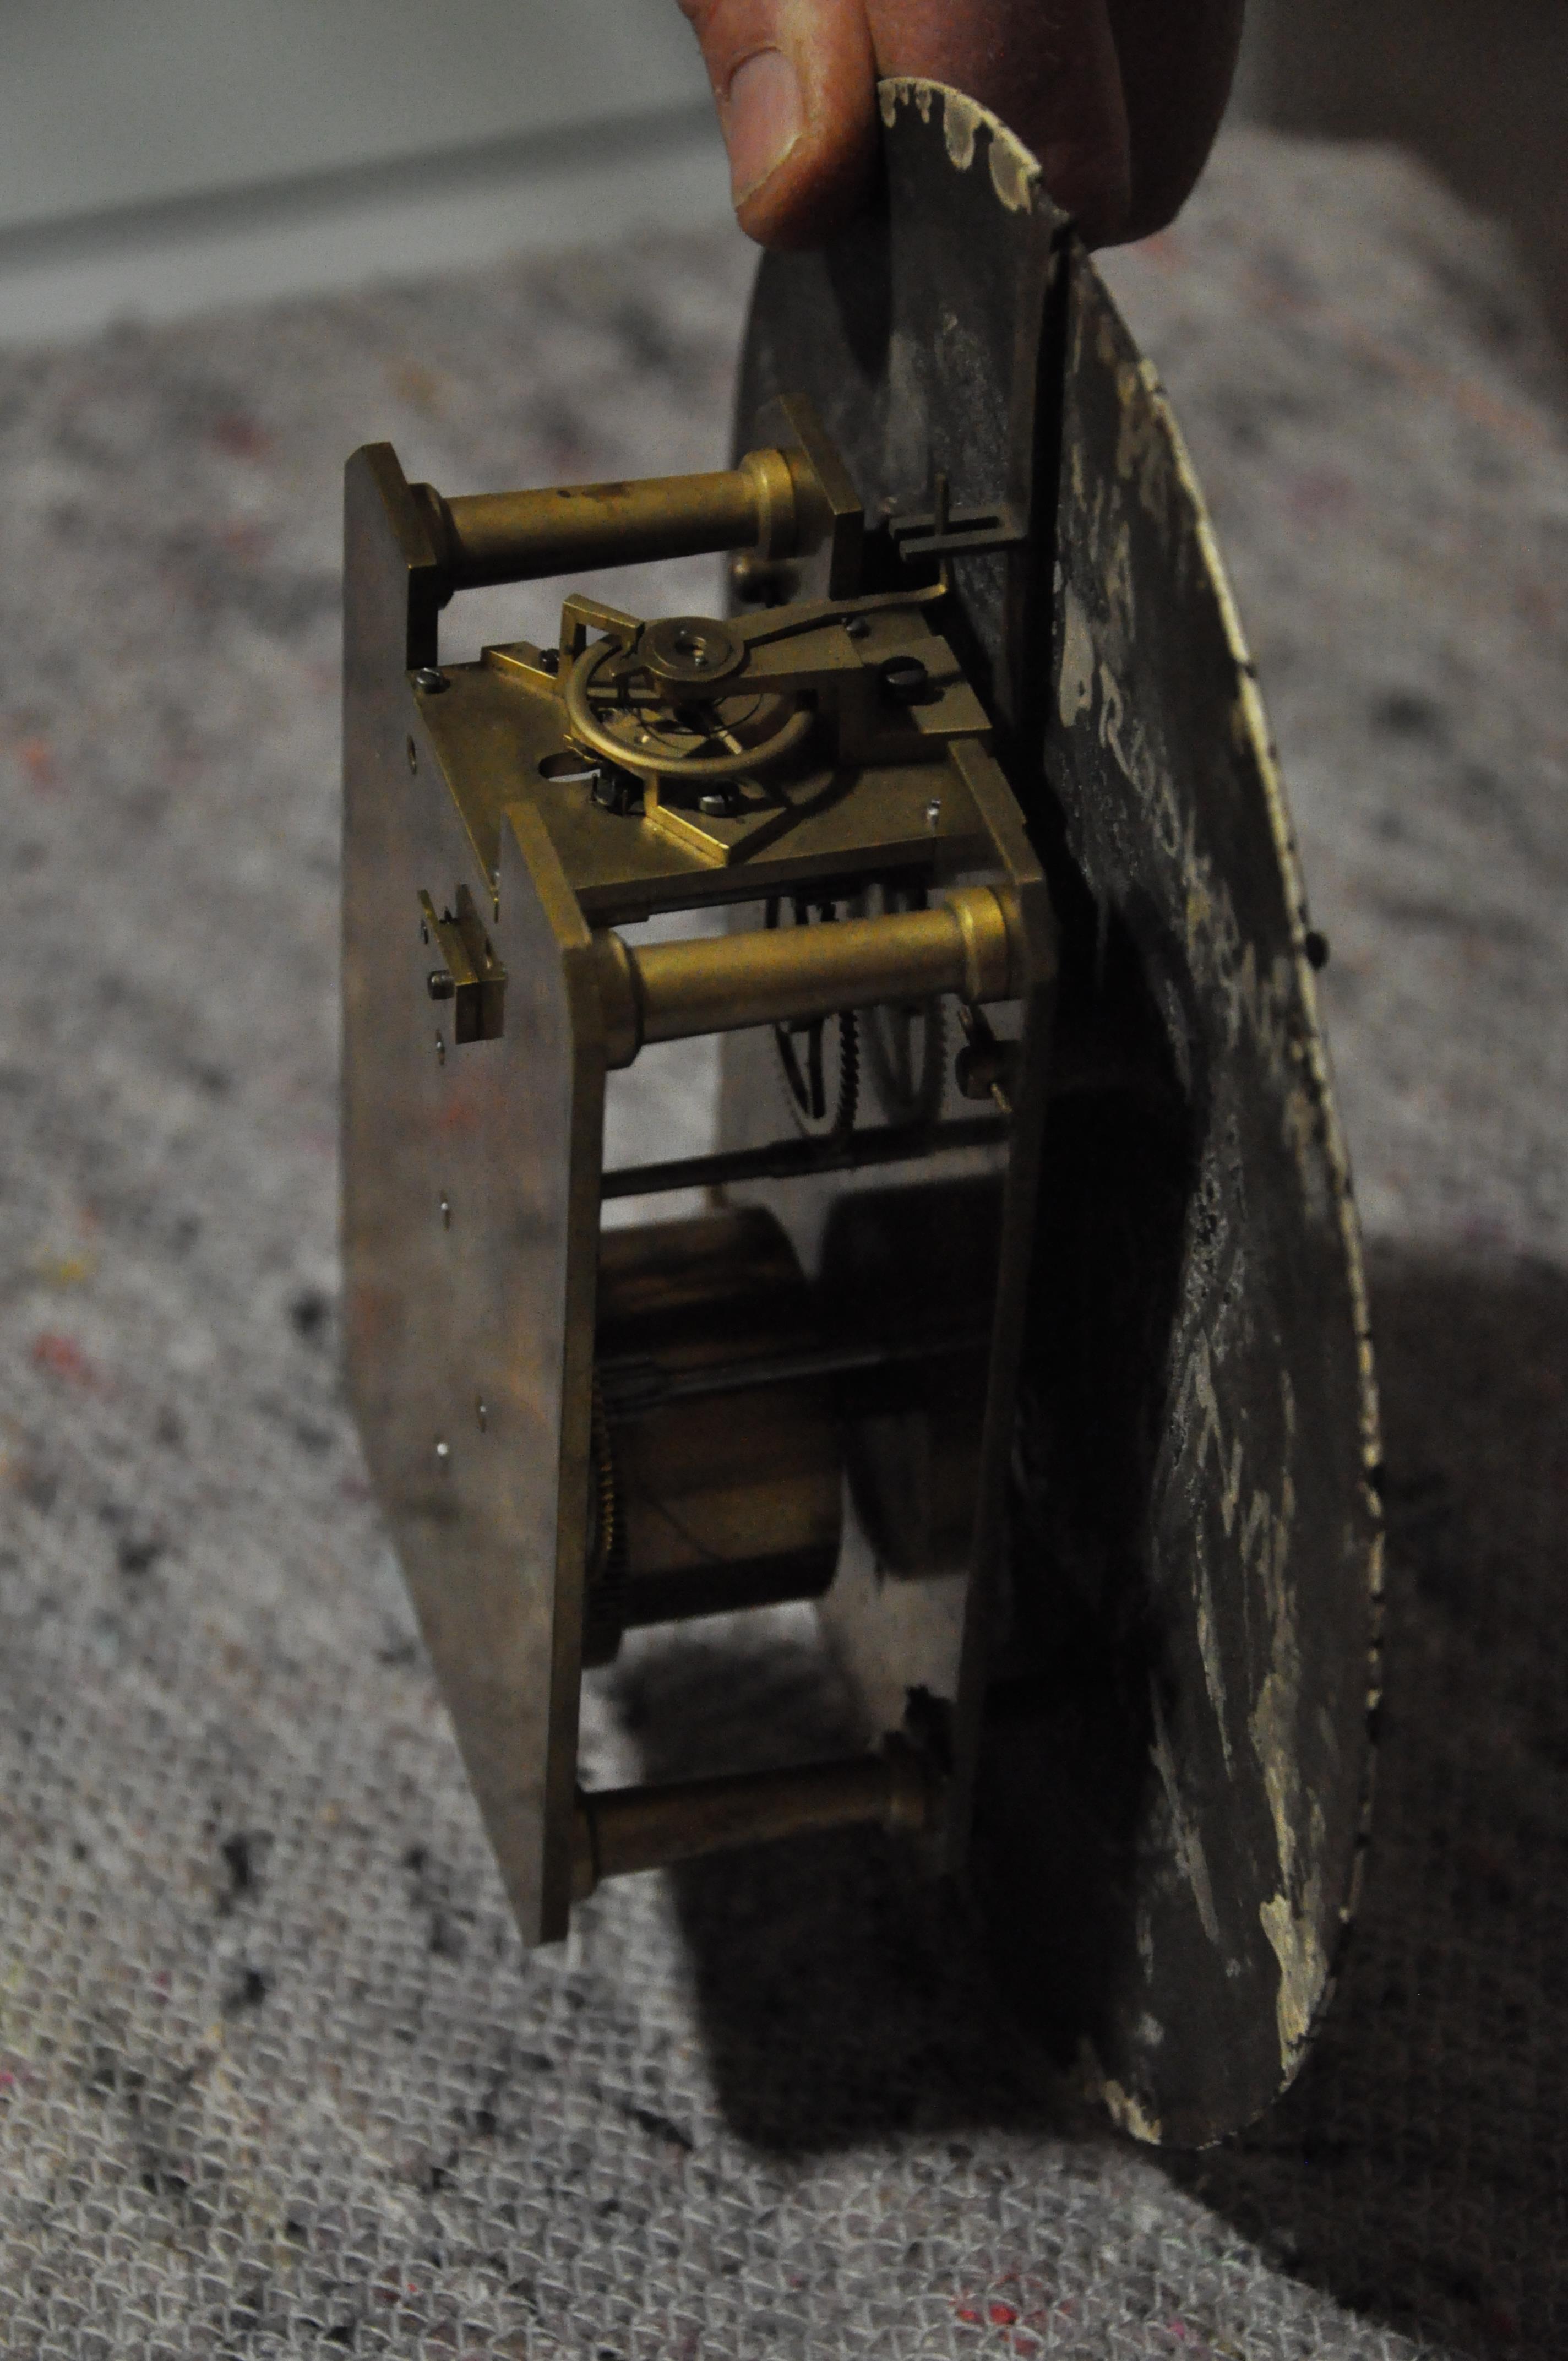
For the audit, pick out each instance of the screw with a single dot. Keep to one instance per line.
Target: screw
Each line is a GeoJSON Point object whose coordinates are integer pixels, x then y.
{"type": "Point", "coordinates": [719, 803]}
{"type": "Point", "coordinates": [550, 661]}
{"type": "Point", "coordinates": [857, 625]}
{"type": "Point", "coordinates": [412, 752]}
{"type": "Point", "coordinates": [694, 648]}
{"type": "Point", "coordinates": [445, 1212]}
{"type": "Point", "coordinates": [444, 1456]}
{"type": "Point", "coordinates": [440, 1050]}
{"type": "Point", "coordinates": [903, 677]}
{"type": "Point", "coordinates": [481, 1412]}
{"type": "Point", "coordinates": [439, 983]}
{"type": "Point", "coordinates": [934, 814]}
{"type": "Point", "coordinates": [431, 681]}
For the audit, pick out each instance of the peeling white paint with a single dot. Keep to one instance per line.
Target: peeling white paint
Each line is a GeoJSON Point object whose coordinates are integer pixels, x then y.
{"type": "Point", "coordinates": [1141, 448]}
{"type": "Point", "coordinates": [1075, 690]}
{"type": "Point", "coordinates": [1014, 172]}
{"type": "Point", "coordinates": [1127, 2113]}
{"type": "Point", "coordinates": [1120, 596]}
{"type": "Point", "coordinates": [1191, 1858]}
{"type": "Point", "coordinates": [1262, 1534]}
{"type": "Point", "coordinates": [1303, 1968]}
{"type": "Point", "coordinates": [1290, 1917]}
{"type": "Point", "coordinates": [962, 119]}
{"type": "Point", "coordinates": [909, 90]}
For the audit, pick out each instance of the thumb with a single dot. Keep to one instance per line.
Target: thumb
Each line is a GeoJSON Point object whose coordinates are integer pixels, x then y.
{"type": "Point", "coordinates": [795, 83]}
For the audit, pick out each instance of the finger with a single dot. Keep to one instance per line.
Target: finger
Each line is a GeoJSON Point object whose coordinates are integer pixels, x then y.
{"type": "Point", "coordinates": [1177, 60]}
{"type": "Point", "coordinates": [1048, 67]}
{"type": "Point", "coordinates": [795, 83]}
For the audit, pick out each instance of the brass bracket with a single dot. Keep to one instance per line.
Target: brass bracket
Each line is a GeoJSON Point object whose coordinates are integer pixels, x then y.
{"type": "Point", "coordinates": [946, 532]}
{"type": "Point", "coordinates": [464, 971]}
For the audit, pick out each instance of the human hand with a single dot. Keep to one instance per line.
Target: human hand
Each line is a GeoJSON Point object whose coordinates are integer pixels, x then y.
{"type": "Point", "coordinates": [1119, 99]}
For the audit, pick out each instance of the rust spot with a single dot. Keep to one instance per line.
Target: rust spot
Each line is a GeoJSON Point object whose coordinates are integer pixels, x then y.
{"type": "Point", "coordinates": [240, 436]}
{"type": "Point", "coordinates": [63, 1357]}
{"type": "Point", "coordinates": [36, 757]}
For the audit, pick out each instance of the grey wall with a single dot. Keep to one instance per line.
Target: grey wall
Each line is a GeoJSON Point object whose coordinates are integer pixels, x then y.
{"type": "Point", "coordinates": [162, 156]}
{"type": "Point", "coordinates": [159, 155]}
{"type": "Point", "coordinates": [109, 103]}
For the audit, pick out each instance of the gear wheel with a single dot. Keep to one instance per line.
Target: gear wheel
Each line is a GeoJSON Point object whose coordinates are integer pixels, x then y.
{"type": "Point", "coordinates": [819, 1058]}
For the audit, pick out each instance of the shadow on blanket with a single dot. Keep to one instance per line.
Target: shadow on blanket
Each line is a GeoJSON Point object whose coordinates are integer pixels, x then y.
{"type": "Point", "coordinates": [1416, 2172]}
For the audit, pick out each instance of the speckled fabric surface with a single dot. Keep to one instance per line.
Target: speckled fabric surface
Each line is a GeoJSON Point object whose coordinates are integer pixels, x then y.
{"type": "Point", "coordinates": [274, 2076]}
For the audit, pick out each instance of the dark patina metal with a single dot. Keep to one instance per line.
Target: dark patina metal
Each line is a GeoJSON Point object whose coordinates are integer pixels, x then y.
{"type": "Point", "coordinates": [1174, 1780]}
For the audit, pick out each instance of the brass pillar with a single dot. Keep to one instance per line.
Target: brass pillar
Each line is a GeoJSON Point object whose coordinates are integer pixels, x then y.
{"type": "Point", "coordinates": [719, 983]}
{"type": "Point", "coordinates": [772, 502]}
{"type": "Point", "coordinates": [630, 1829]}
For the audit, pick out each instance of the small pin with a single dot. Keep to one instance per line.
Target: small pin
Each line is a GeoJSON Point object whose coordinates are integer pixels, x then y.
{"type": "Point", "coordinates": [934, 815]}
{"type": "Point", "coordinates": [444, 1456]}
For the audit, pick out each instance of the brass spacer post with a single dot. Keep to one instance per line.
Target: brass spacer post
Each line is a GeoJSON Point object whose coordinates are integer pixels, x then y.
{"type": "Point", "coordinates": [630, 1828]}
{"type": "Point", "coordinates": [721, 984]}
{"type": "Point", "coordinates": [771, 503]}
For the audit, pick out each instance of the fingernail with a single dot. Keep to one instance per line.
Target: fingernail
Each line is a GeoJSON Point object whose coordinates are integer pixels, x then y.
{"type": "Point", "coordinates": [764, 115]}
